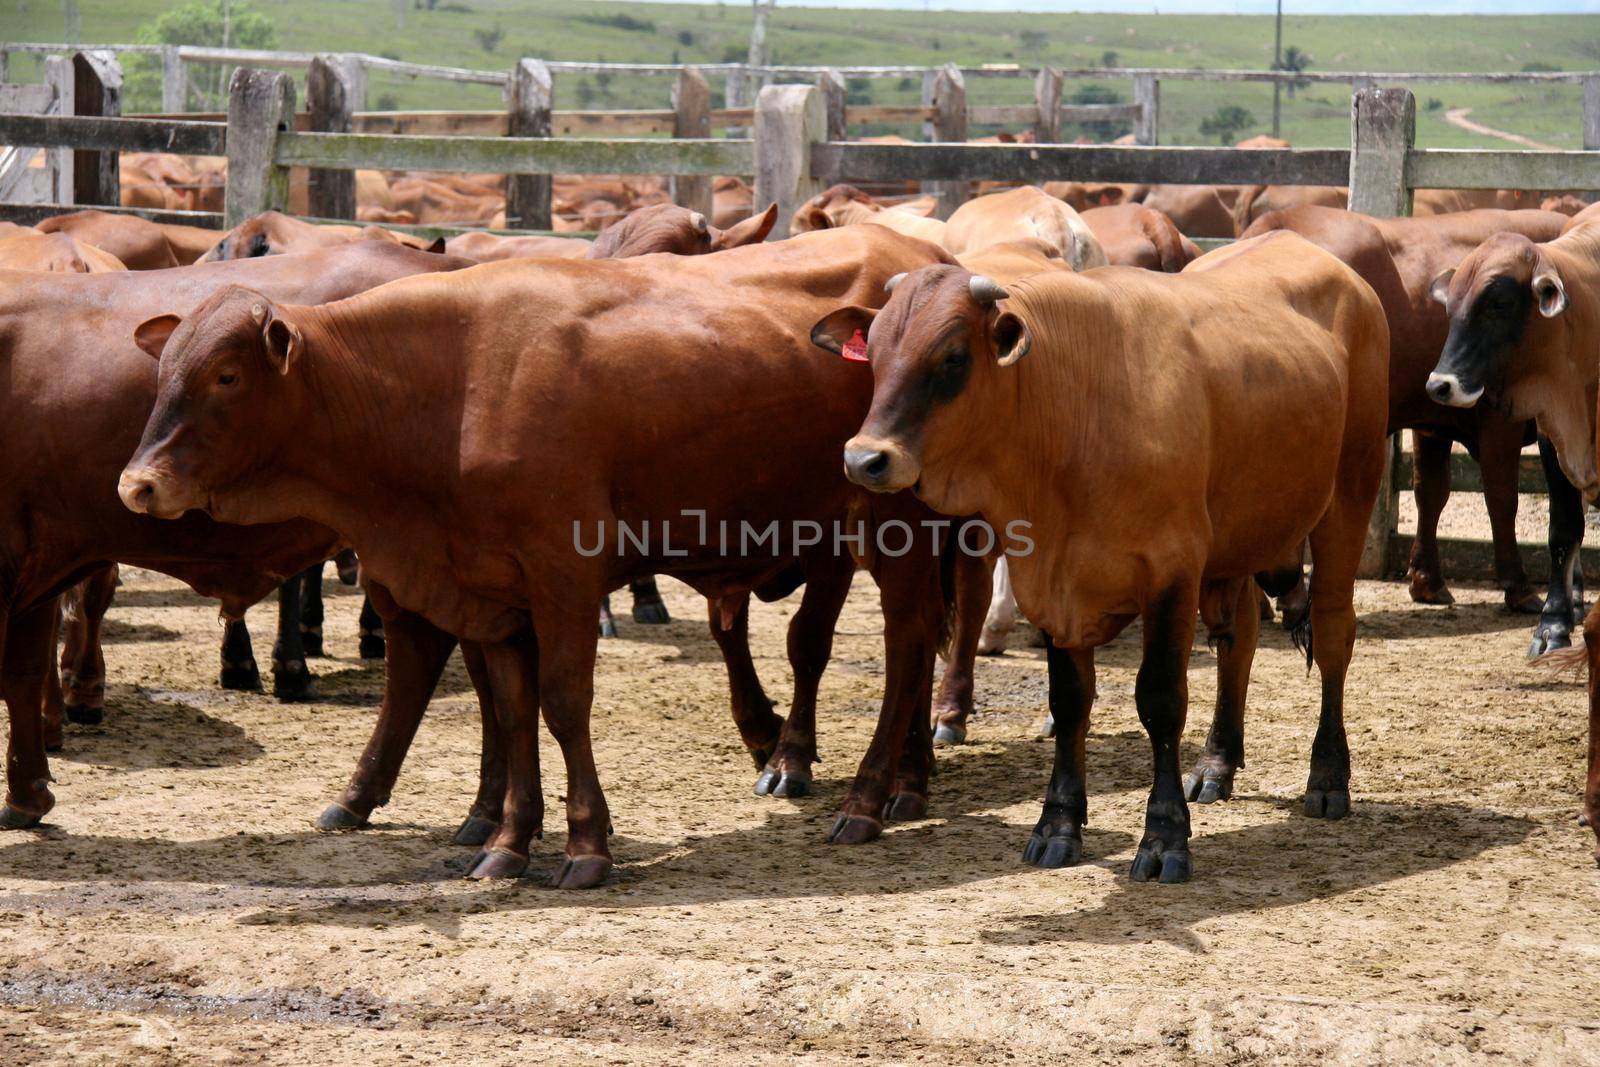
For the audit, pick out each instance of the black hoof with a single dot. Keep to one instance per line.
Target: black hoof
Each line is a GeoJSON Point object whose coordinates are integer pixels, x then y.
{"type": "Point", "coordinates": [474, 831]}
{"type": "Point", "coordinates": [653, 614]}
{"type": "Point", "coordinates": [16, 819]}
{"type": "Point", "coordinates": [242, 676]}
{"type": "Point", "coordinates": [1207, 787]}
{"type": "Point", "coordinates": [1548, 636]}
{"type": "Point", "coordinates": [949, 735]}
{"type": "Point", "coordinates": [293, 686]}
{"type": "Point", "coordinates": [497, 863]}
{"type": "Point", "coordinates": [1163, 863]}
{"type": "Point", "coordinates": [1327, 803]}
{"type": "Point", "coordinates": [373, 646]}
{"type": "Point", "coordinates": [311, 643]}
{"type": "Point", "coordinates": [337, 817]}
{"type": "Point", "coordinates": [906, 807]}
{"type": "Point", "coordinates": [1051, 848]}
{"type": "Point", "coordinates": [775, 783]}
{"type": "Point", "coordinates": [84, 716]}
{"type": "Point", "coordinates": [854, 830]}
{"type": "Point", "coordinates": [581, 872]}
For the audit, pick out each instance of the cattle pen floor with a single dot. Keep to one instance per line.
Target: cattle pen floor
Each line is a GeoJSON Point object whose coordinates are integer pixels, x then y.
{"type": "Point", "coordinates": [177, 907]}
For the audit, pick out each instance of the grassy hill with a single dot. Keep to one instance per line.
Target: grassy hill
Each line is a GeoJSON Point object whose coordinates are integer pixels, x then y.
{"type": "Point", "coordinates": [491, 34]}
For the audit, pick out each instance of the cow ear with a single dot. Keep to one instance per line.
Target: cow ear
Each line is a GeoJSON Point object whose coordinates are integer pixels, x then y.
{"type": "Point", "coordinates": [836, 329]}
{"type": "Point", "coordinates": [283, 339]}
{"type": "Point", "coordinates": [1549, 292]}
{"type": "Point", "coordinates": [1439, 288]}
{"type": "Point", "coordinates": [1011, 338]}
{"type": "Point", "coordinates": [751, 231]}
{"type": "Point", "coordinates": [812, 217]}
{"type": "Point", "coordinates": [437, 246]}
{"type": "Point", "coordinates": [151, 334]}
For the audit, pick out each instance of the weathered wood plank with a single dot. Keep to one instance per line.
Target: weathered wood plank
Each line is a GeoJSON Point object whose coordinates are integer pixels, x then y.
{"type": "Point", "coordinates": [96, 174]}
{"type": "Point", "coordinates": [691, 99]}
{"type": "Point", "coordinates": [507, 155]}
{"type": "Point", "coordinates": [1384, 519]}
{"type": "Point", "coordinates": [1383, 128]}
{"type": "Point", "coordinates": [860, 114]}
{"type": "Point", "coordinates": [532, 97]}
{"type": "Point", "coordinates": [831, 85]}
{"type": "Point", "coordinates": [333, 85]}
{"type": "Point", "coordinates": [1007, 115]}
{"type": "Point", "coordinates": [28, 214]}
{"type": "Point", "coordinates": [174, 79]}
{"type": "Point", "coordinates": [949, 125]}
{"type": "Point", "coordinates": [843, 161]}
{"type": "Point", "coordinates": [1100, 112]}
{"type": "Point", "coordinates": [789, 119]}
{"type": "Point", "coordinates": [1047, 106]}
{"type": "Point", "coordinates": [260, 106]}
{"type": "Point", "coordinates": [123, 135]}
{"type": "Point", "coordinates": [433, 123]}
{"type": "Point", "coordinates": [26, 99]}
{"type": "Point", "coordinates": [1466, 477]}
{"type": "Point", "coordinates": [1473, 168]}
{"type": "Point", "coordinates": [1472, 559]}
{"type": "Point", "coordinates": [1147, 95]}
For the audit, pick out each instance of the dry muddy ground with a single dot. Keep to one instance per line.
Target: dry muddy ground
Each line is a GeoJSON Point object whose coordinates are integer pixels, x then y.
{"type": "Point", "coordinates": [177, 907]}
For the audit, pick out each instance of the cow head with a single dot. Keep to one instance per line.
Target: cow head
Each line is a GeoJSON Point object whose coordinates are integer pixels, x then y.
{"type": "Point", "coordinates": [670, 228]}
{"type": "Point", "coordinates": [1490, 299]}
{"type": "Point", "coordinates": [224, 388]}
{"type": "Point", "coordinates": [938, 345]}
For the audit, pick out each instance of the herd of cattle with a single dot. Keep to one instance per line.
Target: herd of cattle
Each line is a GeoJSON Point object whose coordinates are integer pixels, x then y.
{"type": "Point", "coordinates": [1173, 429]}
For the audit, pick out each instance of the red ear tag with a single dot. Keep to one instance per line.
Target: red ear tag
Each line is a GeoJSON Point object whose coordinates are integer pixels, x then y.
{"type": "Point", "coordinates": [855, 349]}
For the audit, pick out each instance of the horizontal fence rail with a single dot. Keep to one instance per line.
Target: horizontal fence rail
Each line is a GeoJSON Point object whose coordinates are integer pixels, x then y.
{"type": "Point", "coordinates": [514, 155]}
{"type": "Point", "coordinates": [114, 134]}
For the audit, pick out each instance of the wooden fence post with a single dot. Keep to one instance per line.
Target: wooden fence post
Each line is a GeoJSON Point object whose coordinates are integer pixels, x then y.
{"type": "Point", "coordinates": [928, 78]}
{"type": "Point", "coordinates": [1591, 112]}
{"type": "Point", "coordinates": [174, 81]}
{"type": "Point", "coordinates": [97, 90]}
{"type": "Point", "coordinates": [1147, 94]}
{"type": "Point", "coordinates": [949, 125]}
{"type": "Point", "coordinates": [5, 64]}
{"type": "Point", "coordinates": [260, 106]}
{"type": "Point", "coordinates": [1383, 127]}
{"type": "Point", "coordinates": [332, 97]}
{"type": "Point", "coordinates": [789, 119]}
{"type": "Point", "coordinates": [1047, 98]}
{"type": "Point", "coordinates": [691, 103]}
{"type": "Point", "coordinates": [58, 74]}
{"type": "Point", "coordinates": [532, 96]}
{"type": "Point", "coordinates": [834, 101]}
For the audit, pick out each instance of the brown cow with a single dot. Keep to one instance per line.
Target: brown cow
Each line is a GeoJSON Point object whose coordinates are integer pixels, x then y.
{"type": "Point", "coordinates": [670, 228]}
{"type": "Point", "coordinates": [845, 205]}
{"type": "Point", "coordinates": [78, 388]}
{"type": "Point", "coordinates": [707, 356]}
{"type": "Point", "coordinates": [1197, 210]}
{"type": "Point", "coordinates": [1027, 212]}
{"type": "Point", "coordinates": [1524, 329]}
{"type": "Point", "coordinates": [1258, 200]}
{"type": "Point", "coordinates": [138, 243]}
{"type": "Point", "coordinates": [1256, 383]}
{"type": "Point", "coordinates": [1588, 214]}
{"type": "Point", "coordinates": [1450, 201]}
{"type": "Point", "coordinates": [1399, 258]}
{"type": "Point", "coordinates": [274, 233]}
{"type": "Point", "coordinates": [1134, 235]}
{"type": "Point", "coordinates": [488, 247]}
{"type": "Point", "coordinates": [55, 253]}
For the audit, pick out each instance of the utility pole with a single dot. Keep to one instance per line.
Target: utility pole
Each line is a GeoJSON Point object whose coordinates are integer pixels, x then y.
{"type": "Point", "coordinates": [1277, 65]}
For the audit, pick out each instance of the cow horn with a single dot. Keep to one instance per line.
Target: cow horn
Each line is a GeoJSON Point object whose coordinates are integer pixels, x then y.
{"type": "Point", "coordinates": [986, 290]}
{"type": "Point", "coordinates": [698, 221]}
{"type": "Point", "coordinates": [889, 285]}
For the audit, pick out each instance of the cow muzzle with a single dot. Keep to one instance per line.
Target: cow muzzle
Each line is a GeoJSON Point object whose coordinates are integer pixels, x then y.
{"type": "Point", "coordinates": [879, 465]}
{"type": "Point", "coordinates": [1447, 389]}
{"type": "Point", "coordinates": [151, 491]}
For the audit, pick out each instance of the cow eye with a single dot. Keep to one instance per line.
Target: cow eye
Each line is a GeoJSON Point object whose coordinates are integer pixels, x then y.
{"type": "Point", "coordinates": [227, 377]}
{"type": "Point", "coordinates": [954, 361]}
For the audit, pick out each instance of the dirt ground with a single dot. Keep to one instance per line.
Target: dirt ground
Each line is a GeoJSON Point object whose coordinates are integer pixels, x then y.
{"type": "Point", "coordinates": [177, 906]}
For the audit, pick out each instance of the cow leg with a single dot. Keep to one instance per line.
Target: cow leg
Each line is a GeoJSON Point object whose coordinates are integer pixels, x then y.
{"type": "Point", "coordinates": [1499, 458]}
{"type": "Point", "coordinates": [1212, 777]}
{"type": "Point", "coordinates": [484, 816]}
{"type": "Point", "coordinates": [417, 655]}
{"type": "Point", "coordinates": [1566, 539]}
{"type": "Point", "coordinates": [83, 664]}
{"type": "Point", "coordinates": [1057, 839]}
{"type": "Point", "coordinates": [912, 606]}
{"type": "Point", "coordinates": [909, 798]}
{"type": "Point", "coordinates": [648, 607]}
{"type": "Point", "coordinates": [291, 679]}
{"type": "Point", "coordinates": [1002, 616]}
{"type": "Point", "coordinates": [608, 622]}
{"type": "Point", "coordinates": [513, 672]}
{"type": "Point", "coordinates": [1591, 785]}
{"type": "Point", "coordinates": [311, 611]}
{"type": "Point", "coordinates": [29, 646]}
{"type": "Point", "coordinates": [759, 727]}
{"type": "Point", "coordinates": [953, 705]}
{"type": "Point", "coordinates": [371, 631]}
{"type": "Point", "coordinates": [1336, 549]}
{"type": "Point", "coordinates": [54, 731]}
{"type": "Point", "coordinates": [1161, 693]}
{"type": "Point", "coordinates": [239, 669]}
{"type": "Point", "coordinates": [1430, 483]}
{"type": "Point", "coordinates": [788, 772]}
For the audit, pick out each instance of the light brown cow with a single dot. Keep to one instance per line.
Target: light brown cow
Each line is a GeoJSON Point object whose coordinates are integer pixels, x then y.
{"type": "Point", "coordinates": [1258, 200]}
{"type": "Point", "coordinates": [670, 228]}
{"type": "Point", "coordinates": [1167, 438]}
{"type": "Point", "coordinates": [273, 233]}
{"type": "Point", "coordinates": [1588, 214]}
{"type": "Point", "coordinates": [138, 244]}
{"type": "Point", "coordinates": [1134, 235]}
{"type": "Point", "coordinates": [56, 253]}
{"type": "Point", "coordinates": [1197, 210]}
{"type": "Point", "coordinates": [1524, 330]}
{"type": "Point", "coordinates": [845, 205]}
{"type": "Point", "coordinates": [1448, 201]}
{"type": "Point", "coordinates": [487, 247]}
{"type": "Point", "coordinates": [1019, 214]}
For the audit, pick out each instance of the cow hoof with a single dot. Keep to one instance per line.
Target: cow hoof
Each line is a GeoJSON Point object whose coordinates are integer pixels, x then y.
{"type": "Point", "coordinates": [16, 819]}
{"type": "Point", "coordinates": [241, 676]}
{"type": "Point", "coordinates": [1047, 728]}
{"type": "Point", "coordinates": [348, 567]}
{"type": "Point", "coordinates": [945, 735]}
{"type": "Point", "coordinates": [1052, 847]}
{"type": "Point", "coordinates": [854, 830]}
{"type": "Point", "coordinates": [778, 783]}
{"type": "Point", "coordinates": [474, 831]}
{"type": "Point", "coordinates": [608, 628]}
{"type": "Point", "coordinates": [311, 642]}
{"type": "Point", "coordinates": [992, 642]}
{"type": "Point", "coordinates": [83, 715]}
{"type": "Point", "coordinates": [1583, 818]}
{"type": "Point", "coordinates": [1524, 601]}
{"type": "Point", "coordinates": [1548, 636]}
{"type": "Point", "coordinates": [1208, 786]}
{"type": "Point", "coordinates": [906, 807]}
{"type": "Point", "coordinates": [1430, 591]}
{"type": "Point", "coordinates": [581, 872]}
{"type": "Point", "coordinates": [1165, 864]}
{"type": "Point", "coordinates": [336, 817]}
{"type": "Point", "coordinates": [1327, 803]}
{"type": "Point", "coordinates": [373, 646]}
{"type": "Point", "coordinates": [497, 863]}
{"type": "Point", "coordinates": [651, 614]}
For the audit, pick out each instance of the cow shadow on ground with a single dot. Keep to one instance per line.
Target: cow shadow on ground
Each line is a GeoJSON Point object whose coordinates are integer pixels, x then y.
{"type": "Point", "coordinates": [115, 631]}
{"type": "Point", "coordinates": [1421, 622]}
{"type": "Point", "coordinates": [145, 730]}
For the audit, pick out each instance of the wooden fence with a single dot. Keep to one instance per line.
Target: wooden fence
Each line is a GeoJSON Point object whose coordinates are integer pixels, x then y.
{"type": "Point", "coordinates": [795, 151]}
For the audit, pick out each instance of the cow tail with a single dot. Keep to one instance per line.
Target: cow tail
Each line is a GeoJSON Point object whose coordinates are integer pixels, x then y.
{"type": "Point", "coordinates": [1301, 636]}
{"type": "Point", "coordinates": [947, 590]}
{"type": "Point", "coordinates": [1574, 661]}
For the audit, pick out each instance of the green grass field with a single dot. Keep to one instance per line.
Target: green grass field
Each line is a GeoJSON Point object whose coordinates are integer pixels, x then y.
{"type": "Point", "coordinates": [623, 32]}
